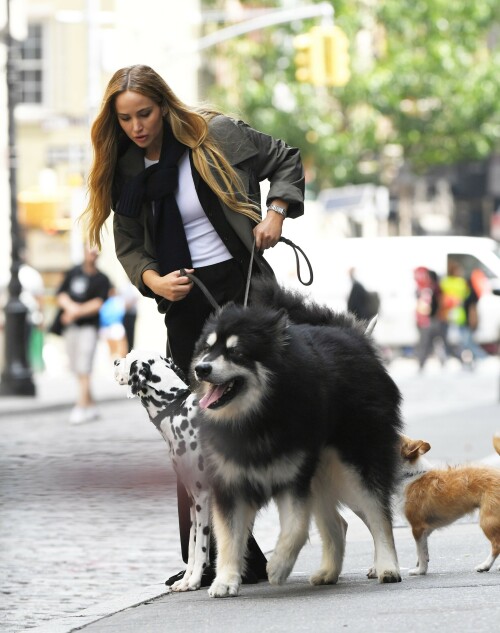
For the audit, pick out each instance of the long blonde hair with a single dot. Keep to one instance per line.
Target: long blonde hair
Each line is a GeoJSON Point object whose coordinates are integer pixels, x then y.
{"type": "Point", "coordinates": [189, 126]}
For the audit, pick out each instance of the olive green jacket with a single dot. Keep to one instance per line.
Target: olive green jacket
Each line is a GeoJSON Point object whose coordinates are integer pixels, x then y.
{"type": "Point", "coordinates": [255, 157]}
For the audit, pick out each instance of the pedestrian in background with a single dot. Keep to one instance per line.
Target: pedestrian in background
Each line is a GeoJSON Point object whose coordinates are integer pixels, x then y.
{"type": "Point", "coordinates": [471, 351]}
{"type": "Point", "coordinates": [112, 328]}
{"type": "Point", "coordinates": [428, 295]}
{"type": "Point", "coordinates": [362, 303]}
{"type": "Point", "coordinates": [452, 312]}
{"type": "Point", "coordinates": [131, 297]}
{"type": "Point", "coordinates": [184, 186]}
{"type": "Point", "coordinates": [33, 297]}
{"type": "Point", "coordinates": [80, 296]}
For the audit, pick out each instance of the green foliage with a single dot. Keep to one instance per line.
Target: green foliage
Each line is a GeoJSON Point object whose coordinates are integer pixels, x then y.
{"type": "Point", "coordinates": [424, 81]}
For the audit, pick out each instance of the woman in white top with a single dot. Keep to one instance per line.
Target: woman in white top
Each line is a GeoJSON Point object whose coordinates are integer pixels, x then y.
{"type": "Point", "coordinates": [184, 186]}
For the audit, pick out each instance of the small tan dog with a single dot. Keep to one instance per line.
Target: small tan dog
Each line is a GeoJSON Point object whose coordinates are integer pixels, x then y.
{"type": "Point", "coordinates": [434, 498]}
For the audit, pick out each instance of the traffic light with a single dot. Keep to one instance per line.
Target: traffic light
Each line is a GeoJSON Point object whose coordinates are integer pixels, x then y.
{"type": "Point", "coordinates": [310, 67]}
{"type": "Point", "coordinates": [322, 57]}
{"type": "Point", "coordinates": [337, 57]}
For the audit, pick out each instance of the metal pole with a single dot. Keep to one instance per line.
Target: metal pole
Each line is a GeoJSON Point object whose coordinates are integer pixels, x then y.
{"type": "Point", "coordinates": [16, 379]}
{"type": "Point", "coordinates": [282, 16]}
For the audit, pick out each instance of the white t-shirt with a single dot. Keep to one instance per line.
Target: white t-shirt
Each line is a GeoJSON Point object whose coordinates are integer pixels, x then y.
{"type": "Point", "coordinates": [205, 245]}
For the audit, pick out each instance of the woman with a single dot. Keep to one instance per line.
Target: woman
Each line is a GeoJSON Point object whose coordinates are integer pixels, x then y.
{"type": "Point", "coordinates": [184, 186]}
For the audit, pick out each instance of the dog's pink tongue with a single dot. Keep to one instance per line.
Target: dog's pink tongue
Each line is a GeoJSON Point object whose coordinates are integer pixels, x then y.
{"type": "Point", "coordinates": [212, 395]}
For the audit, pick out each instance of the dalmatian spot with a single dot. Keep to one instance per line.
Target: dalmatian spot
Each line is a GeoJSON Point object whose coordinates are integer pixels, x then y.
{"type": "Point", "coordinates": [193, 446]}
{"type": "Point", "coordinates": [181, 449]}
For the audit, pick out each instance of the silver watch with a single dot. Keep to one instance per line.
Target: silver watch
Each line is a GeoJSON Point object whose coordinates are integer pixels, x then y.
{"type": "Point", "coordinates": [280, 210]}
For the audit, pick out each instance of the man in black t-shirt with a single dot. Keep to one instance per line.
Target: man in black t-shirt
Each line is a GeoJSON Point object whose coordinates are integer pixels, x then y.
{"type": "Point", "coordinates": [80, 297]}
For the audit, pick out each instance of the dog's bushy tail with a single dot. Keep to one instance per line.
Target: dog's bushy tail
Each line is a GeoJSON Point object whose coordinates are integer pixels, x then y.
{"type": "Point", "coordinates": [267, 292]}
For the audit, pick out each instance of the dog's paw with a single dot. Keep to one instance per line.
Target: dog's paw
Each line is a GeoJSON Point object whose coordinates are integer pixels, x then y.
{"type": "Point", "coordinates": [389, 575]}
{"type": "Point", "coordinates": [324, 577]}
{"type": "Point", "coordinates": [278, 570]}
{"type": "Point", "coordinates": [372, 573]}
{"type": "Point", "coordinates": [482, 567]}
{"type": "Point", "coordinates": [222, 589]}
{"type": "Point", "coordinates": [180, 585]}
{"type": "Point", "coordinates": [417, 571]}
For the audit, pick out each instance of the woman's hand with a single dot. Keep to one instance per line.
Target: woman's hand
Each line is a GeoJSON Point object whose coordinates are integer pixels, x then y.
{"type": "Point", "coordinates": [268, 232]}
{"type": "Point", "coordinates": [173, 286]}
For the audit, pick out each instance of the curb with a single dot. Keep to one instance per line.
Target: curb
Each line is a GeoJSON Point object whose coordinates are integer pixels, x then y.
{"type": "Point", "coordinates": [50, 406]}
{"type": "Point", "coordinates": [100, 611]}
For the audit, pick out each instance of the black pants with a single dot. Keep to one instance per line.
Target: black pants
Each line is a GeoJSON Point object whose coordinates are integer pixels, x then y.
{"type": "Point", "coordinates": [184, 320]}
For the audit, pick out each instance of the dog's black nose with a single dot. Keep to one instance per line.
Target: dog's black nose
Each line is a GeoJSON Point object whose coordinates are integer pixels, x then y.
{"type": "Point", "coordinates": [117, 362]}
{"type": "Point", "coordinates": [203, 370]}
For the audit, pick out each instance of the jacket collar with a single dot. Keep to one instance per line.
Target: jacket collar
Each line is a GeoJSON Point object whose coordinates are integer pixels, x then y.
{"type": "Point", "coordinates": [235, 145]}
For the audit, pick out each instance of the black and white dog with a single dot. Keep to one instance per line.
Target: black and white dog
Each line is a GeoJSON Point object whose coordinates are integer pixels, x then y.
{"type": "Point", "coordinates": [172, 408]}
{"type": "Point", "coordinates": [296, 407]}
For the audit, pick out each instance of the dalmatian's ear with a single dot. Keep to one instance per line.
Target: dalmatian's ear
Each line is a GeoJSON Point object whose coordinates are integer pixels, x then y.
{"type": "Point", "coordinates": [137, 378]}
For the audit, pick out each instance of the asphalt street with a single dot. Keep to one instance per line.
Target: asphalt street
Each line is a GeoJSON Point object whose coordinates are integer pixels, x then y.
{"type": "Point", "coordinates": [89, 517]}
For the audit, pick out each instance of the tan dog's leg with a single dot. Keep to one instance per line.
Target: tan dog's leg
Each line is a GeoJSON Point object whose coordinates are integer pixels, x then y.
{"type": "Point", "coordinates": [490, 524]}
{"type": "Point", "coordinates": [421, 539]}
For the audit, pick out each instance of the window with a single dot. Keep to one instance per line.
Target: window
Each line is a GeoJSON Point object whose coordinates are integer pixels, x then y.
{"type": "Point", "coordinates": [31, 66]}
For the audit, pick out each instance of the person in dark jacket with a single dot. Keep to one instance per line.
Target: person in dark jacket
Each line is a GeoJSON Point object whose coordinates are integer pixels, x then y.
{"type": "Point", "coordinates": [184, 185]}
{"type": "Point", "coordinates": [362, 303]}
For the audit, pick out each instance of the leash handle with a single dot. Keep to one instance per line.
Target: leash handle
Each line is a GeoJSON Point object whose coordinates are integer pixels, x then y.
{"type": "Point", "coordinates": [295, 249]}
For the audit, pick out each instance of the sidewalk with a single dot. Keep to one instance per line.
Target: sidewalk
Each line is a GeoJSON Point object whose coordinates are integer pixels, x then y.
{"type": "Point", "coordinates": [452, 596]}
{"type": "Point", "coordinates": [442, 406]}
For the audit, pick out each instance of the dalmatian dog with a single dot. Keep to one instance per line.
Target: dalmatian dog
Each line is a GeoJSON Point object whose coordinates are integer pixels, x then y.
{"type": "Point", "coordinates": [172, 408]}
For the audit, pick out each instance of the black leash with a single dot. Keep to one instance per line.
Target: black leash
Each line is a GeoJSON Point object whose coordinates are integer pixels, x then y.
{"type": "Point", "coordinates": [295, 249]}
{"type": "Point", "coordinates": [214, 303]}
{"type": "Point", "coordinates": [202, 287]}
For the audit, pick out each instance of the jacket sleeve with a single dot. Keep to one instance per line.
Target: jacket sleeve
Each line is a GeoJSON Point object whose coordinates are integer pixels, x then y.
{"type": "Point", "coordinates": [129, 234]}
{"type": "Point", "coordinates": [281, 165]}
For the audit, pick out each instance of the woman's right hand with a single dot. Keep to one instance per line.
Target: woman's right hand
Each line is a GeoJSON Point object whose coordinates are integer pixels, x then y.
{"type": "Point", "coordinates": [173, 286]}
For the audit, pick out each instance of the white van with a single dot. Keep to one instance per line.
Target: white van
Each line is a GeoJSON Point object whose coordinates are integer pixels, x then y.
{"type": "Point", "coordinates": [386, 265]}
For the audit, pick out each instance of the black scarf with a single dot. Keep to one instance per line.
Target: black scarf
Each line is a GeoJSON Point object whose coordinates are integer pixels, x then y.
{"type": "Point", "coordinates": [158, 184]}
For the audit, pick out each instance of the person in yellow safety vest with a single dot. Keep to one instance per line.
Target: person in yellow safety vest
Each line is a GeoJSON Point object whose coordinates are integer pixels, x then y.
{"type": "Point", "coordinates": [455, 290]}
{"type": "Point", "coordinates": [456, 306]}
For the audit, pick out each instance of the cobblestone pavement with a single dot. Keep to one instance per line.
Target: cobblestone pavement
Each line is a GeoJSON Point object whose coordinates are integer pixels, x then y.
{"type": "Point", "coordinates": [85, 512]}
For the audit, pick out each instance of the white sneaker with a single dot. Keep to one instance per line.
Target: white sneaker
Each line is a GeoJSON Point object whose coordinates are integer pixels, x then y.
{"type": "Point", "coordinates": [81, 415]}
{"type": "Point", "coordinates": [78, 415]}
{"type": "Point", "coordinates": [92, 413]}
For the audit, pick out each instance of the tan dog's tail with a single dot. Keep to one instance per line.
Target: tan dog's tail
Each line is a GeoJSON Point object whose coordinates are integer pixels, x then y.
{"type": "Point", "coordinates": [496, 442]}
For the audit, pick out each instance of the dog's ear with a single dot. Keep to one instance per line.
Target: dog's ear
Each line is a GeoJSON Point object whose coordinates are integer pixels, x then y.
{"type": "Point", "coordinates": [278, 324]}
{"type": "Point", "coordinates": [412, 449]}
{"type": "Point", "coordinates": [137, 378]}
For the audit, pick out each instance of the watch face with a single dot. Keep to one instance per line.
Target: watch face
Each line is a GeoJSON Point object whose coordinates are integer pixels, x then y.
{"type": "Point", "coordinates": [280, 210]}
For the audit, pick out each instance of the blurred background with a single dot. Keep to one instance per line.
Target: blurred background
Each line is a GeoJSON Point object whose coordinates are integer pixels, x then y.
{"type": "Point", "coordinates": [395, 105]}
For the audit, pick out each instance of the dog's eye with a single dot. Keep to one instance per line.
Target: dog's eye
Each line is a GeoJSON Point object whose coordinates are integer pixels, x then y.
{"type": "Point", "coordinates": [235, 352]}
